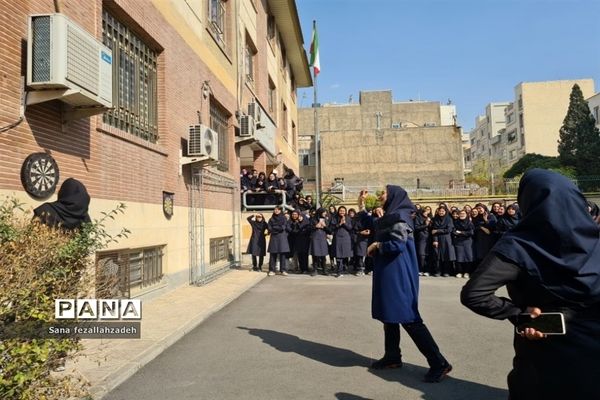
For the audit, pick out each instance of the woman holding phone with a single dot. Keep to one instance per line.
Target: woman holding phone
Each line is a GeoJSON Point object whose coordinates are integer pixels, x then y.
{"type": "Point", "coordinates": [549, 262]}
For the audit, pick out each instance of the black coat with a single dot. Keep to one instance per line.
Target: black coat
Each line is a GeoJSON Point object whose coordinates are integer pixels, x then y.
{"type": "Point", "coordinates": [483, 242]}
{"type": "Point", "coordinates": [318, 238]}
{"type": "Point", "coordinates": [362, 222]}
{"type": "Point", "coordinates": [342, 239]}
{"type": "Point", "coordinates": [443, 227]}
{"type": "Point", "coordinates": [462, 238]}
{"type": "Point", "coordinates": [299, 236]}
{"type": "Point", "coordinates": [257, 246]}
{"type": "Point", "coordinates": [278, 228]}
{"type": "Point", "coordinates": [421, 235]}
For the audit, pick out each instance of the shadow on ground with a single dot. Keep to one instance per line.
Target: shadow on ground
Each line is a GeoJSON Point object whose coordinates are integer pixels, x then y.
{"type": "Point", "coordinates": [410, 376]}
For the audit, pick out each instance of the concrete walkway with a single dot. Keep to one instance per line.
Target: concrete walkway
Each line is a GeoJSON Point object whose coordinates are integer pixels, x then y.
{"type": "Point", "coordinates": [107, 363]}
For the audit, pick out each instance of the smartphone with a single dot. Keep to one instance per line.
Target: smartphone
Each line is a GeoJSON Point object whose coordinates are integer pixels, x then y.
{"type": "Point", "coordinates": [547, 323]}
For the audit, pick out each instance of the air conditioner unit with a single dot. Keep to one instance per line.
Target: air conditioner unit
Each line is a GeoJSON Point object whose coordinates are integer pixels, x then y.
{"type": "Point", "coordinates": [247, 126]}
{"type": "Point", "coordinates": [396, 125]}
{"type": "Point", "coordinates": [64, 57]}
{"type": "Point", "coordinates": [203, 142]}
{"type": "Point", "coordinates": [255, 111]}
{"type": "Point", "coordinates": [430, 124]}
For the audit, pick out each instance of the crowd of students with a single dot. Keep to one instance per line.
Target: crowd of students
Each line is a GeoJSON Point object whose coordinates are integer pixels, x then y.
{"type": "Point", "coordinates": [449, 241]}
{"type": "Point", "coordinates": [267, 190]}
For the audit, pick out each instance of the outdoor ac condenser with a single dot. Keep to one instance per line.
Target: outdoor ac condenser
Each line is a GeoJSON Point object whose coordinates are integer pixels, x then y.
{"type": "Point", "coordinates": [65, 58]}
{"type": "Point", "coordinates": [203, 142]}
{"type": "Point", "coordinates": [247, 126]}
{"type": "Point", "coordinates": [254, 111]}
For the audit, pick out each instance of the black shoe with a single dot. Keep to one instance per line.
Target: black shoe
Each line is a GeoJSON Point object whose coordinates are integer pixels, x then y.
{"type": "Point", "coordinates": [439, 373]}
{"type": "Point", "coordinates": [387, 363]}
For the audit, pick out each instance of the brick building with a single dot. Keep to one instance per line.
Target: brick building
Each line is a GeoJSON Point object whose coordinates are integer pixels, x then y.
{"type": "Point", "coordinates": [174, 64]}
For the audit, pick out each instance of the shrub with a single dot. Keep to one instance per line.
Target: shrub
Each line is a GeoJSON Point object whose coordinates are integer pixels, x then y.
{"type": "Point", "coordinates": [40, 264]}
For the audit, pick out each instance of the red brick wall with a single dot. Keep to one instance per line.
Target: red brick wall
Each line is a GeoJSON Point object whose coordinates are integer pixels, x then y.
{"type": "Point", "coordinates": [111, 163]}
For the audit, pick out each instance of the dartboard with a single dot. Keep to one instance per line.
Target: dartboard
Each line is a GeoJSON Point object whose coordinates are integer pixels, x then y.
{"type": "Point", "coordinates": [39, 175]}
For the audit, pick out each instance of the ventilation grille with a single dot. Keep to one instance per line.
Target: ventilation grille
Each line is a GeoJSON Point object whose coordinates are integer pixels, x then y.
{"type": "Point", "coordinates": [82, 60]}
{"type": "Point", "coordinates": [41, 49]}
{"type": "Point", "coordinates": [195, 140]}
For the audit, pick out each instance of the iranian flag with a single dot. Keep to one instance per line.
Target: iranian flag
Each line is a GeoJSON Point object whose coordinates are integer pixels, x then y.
{"type": "Point", "coordinates": [314, 50]}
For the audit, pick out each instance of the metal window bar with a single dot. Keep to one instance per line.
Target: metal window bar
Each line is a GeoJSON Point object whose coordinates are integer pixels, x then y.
{"type": "Point", "coordinates": [217, 18]}
{"type": "Point", "coordinates": [219, 119]}
{"type": "Point", "coordinates": [134, 81]}
{"type": "Point", "coordinates": [263, 206]}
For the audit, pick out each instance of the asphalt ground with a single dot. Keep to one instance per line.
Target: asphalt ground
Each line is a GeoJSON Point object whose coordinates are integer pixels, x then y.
{"type": "Point", "coordinates": [302, 337]}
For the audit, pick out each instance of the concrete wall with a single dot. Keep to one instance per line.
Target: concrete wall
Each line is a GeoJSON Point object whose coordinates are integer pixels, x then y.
{"type": "Point", "coordinates": [371, 158]}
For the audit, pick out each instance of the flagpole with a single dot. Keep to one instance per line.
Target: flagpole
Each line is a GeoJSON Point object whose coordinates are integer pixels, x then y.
{"type": "Point", "coordinates": [317, 135]}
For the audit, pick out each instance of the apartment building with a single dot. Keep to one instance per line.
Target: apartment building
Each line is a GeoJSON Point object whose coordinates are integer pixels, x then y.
{"type": "Point", "coordinates": [380, 141]}
{"type": "Point", "coordinates": [189, 92]}
{"type": "Point", "coordinates": [530, 124]}
{"type": "Point", "coordinates": [594, 104]}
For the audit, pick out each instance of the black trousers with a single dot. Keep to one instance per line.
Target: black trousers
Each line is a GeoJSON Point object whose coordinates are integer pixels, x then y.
{"type": "Point", "coordinates": [341, 264]}
{"type": "Point", "coordinates": [282, 261]}
{"type": "Point", "coordinates": [359, 263]}
{"type": "Point", "coordinates": [422, 338]}
{"type": "Point", "coordinates": [260, 261]}
{"type": "Point", "coordinates": [303, 261]}
{"type": "Point", "coordinates": [319, 263]}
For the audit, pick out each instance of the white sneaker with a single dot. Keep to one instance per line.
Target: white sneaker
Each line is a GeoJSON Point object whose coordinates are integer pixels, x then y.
{"type": "Point", "coordinates": [425, 273]}
{"type": "Point", "coordinates": [284, 273]}
{"type": "Point", "coordinates": [271, 273]}
{"type": "Point", "coordinates": [459, 275]}
{"type": "Point", "coordinates": [466, 276]}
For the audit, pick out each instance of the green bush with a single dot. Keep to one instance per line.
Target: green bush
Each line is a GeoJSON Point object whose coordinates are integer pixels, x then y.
{"type": "Point", "coordinates": [39, 265]}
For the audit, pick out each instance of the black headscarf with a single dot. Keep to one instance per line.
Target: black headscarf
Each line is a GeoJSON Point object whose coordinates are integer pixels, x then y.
{"type": "Point", "coordinates": [556, 241]}
{"type": "Point", "coordinates": [70, 210]}
{"type": "Point", "coordinates": [463, 224]}
{"type": "Point", "coordinates": [440, 222]}
{"type": "Point", "coordinates": [278, 220]}
{"type": "Point", "coordinates": [398, 205]}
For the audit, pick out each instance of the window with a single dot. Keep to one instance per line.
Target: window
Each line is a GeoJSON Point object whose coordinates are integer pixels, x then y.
{"type": "Point", "coordinates": [509, 118]}
{"type": "Point", "coordinates": [294, 142]}
{"type": "Point", "coordinates": [216, 15]}
{"type": "Point", "coordinates": [249, 55]}
{"type": "Point", "coordinates": [597, 114]}
{"type": "Point", "coordinates": [512, 136]}
{"type": "Point", "coordinates": [121, 272]}
{"type": "Point", "coordinates": [272, 96]}
{"type": "Point", "coordinates": [520, 101]}
{"type": "Point", "coordinates": [306, 158]}
{"type": "Point", "coordinates": [284, 121]}
{"type": "Point", "coordinates": [293, 87]}
{"type": "Point", "coordinates": [521, 122]}
{"type": "Point", "coordinates": [271, 29]}
{"type": "Point", "coordinates": [219, 122]}
{"type": "Point", "coordinates": [221, 249]}
{"type": "Point", "coordinates": [134, 81]}
{"type": "Point", "coordinates": [283, 54]}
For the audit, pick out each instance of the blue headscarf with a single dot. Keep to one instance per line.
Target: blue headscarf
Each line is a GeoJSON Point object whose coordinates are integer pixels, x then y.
{"type": "Point", "coordinates": [556, 241]}
{"type": "Point", "coordinates": [398, 205]}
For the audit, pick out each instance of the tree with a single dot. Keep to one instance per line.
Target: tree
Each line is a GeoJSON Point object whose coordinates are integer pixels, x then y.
{"type": "Point", "coordinates": [579, 144]}
{"type": "Point", "coordinates": [529, 161]}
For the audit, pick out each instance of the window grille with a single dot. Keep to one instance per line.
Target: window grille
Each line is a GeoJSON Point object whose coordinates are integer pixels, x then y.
{"type": "Point", "coordinates": [219, 122]}
{"type": "Point", "coordinates": [221, 249]}
{"type": "Point", "coordinates": [135, 94]}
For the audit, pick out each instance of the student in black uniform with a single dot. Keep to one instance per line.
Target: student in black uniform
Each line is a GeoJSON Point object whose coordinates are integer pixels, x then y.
{"type": "Point", "coordinates": [422, 240]}
{"type": "Point", "coordinates": [462, 238]}
{"type": "Point", "coordinates": [299, 239]}
{"type": "Point", "coordinates": [279, 246]}
{"type": "Point", "coordinates": [341, 228]}
{"type": "Point", "coordinates": [319, 250]}
{"type": "Point", "coordinates": [362, 231]}
{"type": "Point", "coordinates": [441, 228]}
{"type": "Point", "coordinates": [257, 246]}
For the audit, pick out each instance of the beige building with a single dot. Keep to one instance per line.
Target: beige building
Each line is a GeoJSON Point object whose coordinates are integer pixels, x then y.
{"type": "Point", "coordinates": [531, 124]}
{"type": "Point", "coordinates": [594, 104]}
{"type": "Point", "coordinates": [379, 141]}
{"type": "Point", "coordinates": [486, 137]}
{"type": "Point", "coordinates": [173, 64]}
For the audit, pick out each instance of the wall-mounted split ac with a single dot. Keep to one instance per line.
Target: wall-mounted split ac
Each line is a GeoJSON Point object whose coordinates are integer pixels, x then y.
{"type": "Point", "coordinates": [247, 126]}
{"type": "Point", "coordinates": [255, 112]}
{"type": "Point", "coordinates": [203, 142]}
{"type": "Point", "coordinates": [66, 62]}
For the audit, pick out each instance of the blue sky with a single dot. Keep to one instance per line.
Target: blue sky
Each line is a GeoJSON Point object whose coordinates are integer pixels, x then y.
{"type": "Point", "coordinates": [470, 51]}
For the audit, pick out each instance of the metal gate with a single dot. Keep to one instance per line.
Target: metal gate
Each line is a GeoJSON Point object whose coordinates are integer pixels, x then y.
{"type": "Point", "coordinates": [213, 254]}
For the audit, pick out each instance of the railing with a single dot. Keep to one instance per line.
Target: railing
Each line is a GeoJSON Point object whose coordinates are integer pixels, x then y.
{"type": "Point", "coordinates": [263, 200]}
